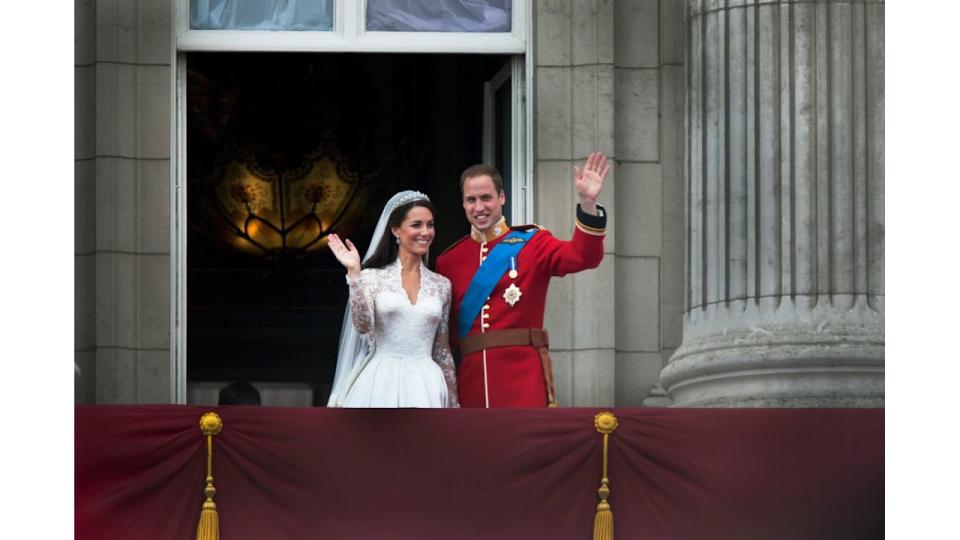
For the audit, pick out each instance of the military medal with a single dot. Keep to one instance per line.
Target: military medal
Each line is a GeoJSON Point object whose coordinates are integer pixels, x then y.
{"type": "Point", "coordinates": [512, 294]}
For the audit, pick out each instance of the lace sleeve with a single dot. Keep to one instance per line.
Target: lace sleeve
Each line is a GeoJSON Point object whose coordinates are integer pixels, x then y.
{"type": "Point", "coordinates": [361, 303]}
{"type": "Point", "coordinates": [441, 350]}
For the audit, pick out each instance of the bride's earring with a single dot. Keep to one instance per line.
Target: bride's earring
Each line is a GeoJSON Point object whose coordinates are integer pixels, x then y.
{"type": "Point", "coordinates": [397, 238]}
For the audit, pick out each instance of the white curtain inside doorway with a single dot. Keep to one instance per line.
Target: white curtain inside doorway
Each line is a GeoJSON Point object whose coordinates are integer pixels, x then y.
{"type": "Point", "coordinates": [382, 15]}
{"type": "Point", "coordinates": [439, 15]}
{"type": "Point", "coordinates": [310, 15]}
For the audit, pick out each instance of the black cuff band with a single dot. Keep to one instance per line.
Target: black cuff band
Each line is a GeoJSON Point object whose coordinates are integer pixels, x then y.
{"type": "Point", "coordinates": [594, 222]}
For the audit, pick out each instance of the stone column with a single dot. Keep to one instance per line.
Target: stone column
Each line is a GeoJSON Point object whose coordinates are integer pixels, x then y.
{"type": "Point", "coordinates": [785, 195]}
{"type": "Point", "coordinates": [84, 200]}
{"type": "Point", "coordinates": [122, 194]}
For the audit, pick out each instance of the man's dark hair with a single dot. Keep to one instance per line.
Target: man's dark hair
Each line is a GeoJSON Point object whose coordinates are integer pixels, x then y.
{"type": "Point", "coordinates": [239, 393]}
{"type": "Point", "coordinates": [481, 169]}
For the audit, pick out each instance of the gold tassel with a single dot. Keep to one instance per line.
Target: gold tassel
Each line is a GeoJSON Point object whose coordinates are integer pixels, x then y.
{"type": "Point", "coordinates": [605, 423]}
{"type": "Point", "coordinates": [209, 526]}
{"type": "Point", "coordinates": [603, 522]}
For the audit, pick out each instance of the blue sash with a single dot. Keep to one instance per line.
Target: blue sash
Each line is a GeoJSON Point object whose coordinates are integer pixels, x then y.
{"type": "Point", "coordinates": [488, 275]}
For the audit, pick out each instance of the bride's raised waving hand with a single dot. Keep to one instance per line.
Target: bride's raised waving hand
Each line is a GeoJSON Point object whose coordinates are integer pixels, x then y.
{"type": "Point", "coordinates": [346, 253]}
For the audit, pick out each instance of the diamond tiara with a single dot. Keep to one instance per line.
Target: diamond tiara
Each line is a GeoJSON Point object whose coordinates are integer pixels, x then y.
{"type": "Point", "coordinates": [411, 196]}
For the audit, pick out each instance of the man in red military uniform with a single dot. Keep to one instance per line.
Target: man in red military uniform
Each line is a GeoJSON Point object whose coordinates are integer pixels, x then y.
{"type": "Point", "coordinates": [498, 305]}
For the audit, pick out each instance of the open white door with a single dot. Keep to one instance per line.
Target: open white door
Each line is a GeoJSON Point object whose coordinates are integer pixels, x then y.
{"type": "Point", "coordinates": [504, 136]}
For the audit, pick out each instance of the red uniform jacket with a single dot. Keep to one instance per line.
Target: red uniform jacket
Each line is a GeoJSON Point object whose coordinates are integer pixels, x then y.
{"type": "Point", "coordinates": [514, 375]}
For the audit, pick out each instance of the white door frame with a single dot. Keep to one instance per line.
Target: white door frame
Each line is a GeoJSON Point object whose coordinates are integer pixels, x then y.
{"type": "Point", "coordinates": [520, 204]}
{"type": "Point", "coordinates": [348, 35]}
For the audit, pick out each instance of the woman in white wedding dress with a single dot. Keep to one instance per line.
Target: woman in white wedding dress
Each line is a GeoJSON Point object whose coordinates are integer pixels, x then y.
{"type": "Point", "coordinates": [394, 347]}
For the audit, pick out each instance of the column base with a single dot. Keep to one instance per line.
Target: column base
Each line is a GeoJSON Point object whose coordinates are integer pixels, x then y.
{"type": "Point", "coordinates": [658, 398]}
{"type": "Point", "coordinates": [806, 352]}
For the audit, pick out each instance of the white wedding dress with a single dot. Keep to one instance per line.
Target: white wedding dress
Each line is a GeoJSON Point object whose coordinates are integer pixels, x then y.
{"type": "Point", "coordinates": [410, 364]}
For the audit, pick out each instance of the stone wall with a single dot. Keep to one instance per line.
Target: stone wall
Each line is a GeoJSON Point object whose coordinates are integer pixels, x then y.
{"type": "Point", "coordinates": [609, 77]}
{"type": "Point", "coordinates": [650, 106]}
{"type": "Point", "coordinates": [122, 198]}
{"type": "Point", "coordinates": [85, 214]}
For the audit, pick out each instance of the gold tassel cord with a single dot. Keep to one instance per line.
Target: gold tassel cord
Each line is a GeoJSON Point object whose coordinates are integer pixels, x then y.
{"type": "Point", "coordinates": [605, 423]}
{"type": "Point", "coordinates": [209, 526]}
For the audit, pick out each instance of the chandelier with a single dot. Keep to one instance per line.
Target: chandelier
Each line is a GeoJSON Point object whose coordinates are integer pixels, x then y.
{"type": "Point", "coordinates": [285, 213]}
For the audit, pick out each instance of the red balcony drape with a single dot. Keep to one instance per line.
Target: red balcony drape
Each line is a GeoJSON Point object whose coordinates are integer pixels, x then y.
{"type": "Point", "coordinates": [335, 473]}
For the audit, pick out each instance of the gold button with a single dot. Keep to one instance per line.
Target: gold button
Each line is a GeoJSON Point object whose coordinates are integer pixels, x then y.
{"type": "Point", "coordinates": [486, 306]}
{"type": "Point", "coordinates": [486, 315]}
{"type": "Point", "coordinates": [485, 326]}
{"type": "Point", "coordinates": [484, 250]}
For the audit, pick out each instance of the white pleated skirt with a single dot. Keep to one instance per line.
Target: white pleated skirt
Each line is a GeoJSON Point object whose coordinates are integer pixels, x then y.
{"type": "Point", "coordinates": [389, 381]}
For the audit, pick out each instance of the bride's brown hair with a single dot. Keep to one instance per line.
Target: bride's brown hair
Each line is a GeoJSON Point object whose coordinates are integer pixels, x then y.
{"type": "Point", "coordinates": [387, 250]}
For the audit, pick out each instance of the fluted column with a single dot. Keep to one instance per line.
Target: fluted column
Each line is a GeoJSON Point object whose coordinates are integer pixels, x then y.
{"type": "Point", "coordinates": [784, 265]}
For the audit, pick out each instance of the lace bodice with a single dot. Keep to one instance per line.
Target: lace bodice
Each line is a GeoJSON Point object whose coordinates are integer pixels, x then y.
{"type": "Point", "coordinates": [395, 326]}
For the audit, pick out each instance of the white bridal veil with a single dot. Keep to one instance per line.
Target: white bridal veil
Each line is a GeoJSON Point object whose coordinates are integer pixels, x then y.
{"type": "Point", "coordinates": [355, 349]}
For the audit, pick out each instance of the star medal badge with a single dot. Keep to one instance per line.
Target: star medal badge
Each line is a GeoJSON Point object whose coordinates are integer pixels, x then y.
{"type": "Point", "coordinates": [512, 294]}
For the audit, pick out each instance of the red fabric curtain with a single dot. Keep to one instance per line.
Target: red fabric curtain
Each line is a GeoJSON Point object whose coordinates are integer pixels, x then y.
{"type": "Point", "coordinates": [473, 473]}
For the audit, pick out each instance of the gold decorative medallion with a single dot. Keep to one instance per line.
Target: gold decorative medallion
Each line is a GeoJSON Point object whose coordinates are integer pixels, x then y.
{"type": "Point", "coordinates": [512, 294]}
{"type": "Point", "coordinates": [513, 274]}
{"type": "Point", "coordinates": [211, 423]}
{"type": "Point", "coordinates": [605, 422]}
